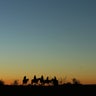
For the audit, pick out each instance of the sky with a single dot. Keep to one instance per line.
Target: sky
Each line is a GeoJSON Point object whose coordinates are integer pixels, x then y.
{"type": "Point", "coordinates": [49, 37]}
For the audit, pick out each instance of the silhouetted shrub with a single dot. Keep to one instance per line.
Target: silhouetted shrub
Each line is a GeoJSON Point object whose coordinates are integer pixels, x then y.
{"type": "Point", "coordinates": [75, 81]}
{"type": "Point", "coordinates": [68, 83]}
{"type": "Point", "coordinates": [1, 82]}
{"type": "Point", "coordinates": [15, 82]}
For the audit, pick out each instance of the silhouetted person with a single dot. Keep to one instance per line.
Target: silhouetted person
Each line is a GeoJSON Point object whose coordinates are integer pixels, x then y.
{"type": "Point", "coordinates": [25, 80]}
{"type": "Point", "coordinates": [55, 78]}
{"type": "Point", "coordinates": [34, 80]}
{"type": "Point", "coordinates": [41, 80]}
{"type": "Point", "coordinates": [47, 81]}
{"type": "Point", "coordinates": [34, 77]}
{"type": "Point", "coordinates": [55, 81]}
{"type": "Point", "coordinates": [47, 78]}
{"type": "Point", "coordinates": [42, 77]}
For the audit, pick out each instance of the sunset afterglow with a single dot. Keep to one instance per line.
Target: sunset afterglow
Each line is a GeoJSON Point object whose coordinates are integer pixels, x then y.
{"type": "Point", "coordinates": [48, 37]}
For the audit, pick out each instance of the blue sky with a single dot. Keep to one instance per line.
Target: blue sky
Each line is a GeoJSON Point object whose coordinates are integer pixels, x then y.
{"type": "Point", "coordinates": [48, 37]}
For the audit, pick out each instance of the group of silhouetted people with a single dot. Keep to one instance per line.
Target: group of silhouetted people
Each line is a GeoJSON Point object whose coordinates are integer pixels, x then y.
{"type": "Point", "coordinates": [41, 81]}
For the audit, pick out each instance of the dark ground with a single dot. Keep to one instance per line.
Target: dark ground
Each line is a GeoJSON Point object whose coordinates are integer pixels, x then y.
{"type": "Point", "coordinates": [61, 90]}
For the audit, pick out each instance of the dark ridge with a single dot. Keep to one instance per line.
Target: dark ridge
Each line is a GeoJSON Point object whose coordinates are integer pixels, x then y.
{"type": "Point", "coordinates": [60, 90]}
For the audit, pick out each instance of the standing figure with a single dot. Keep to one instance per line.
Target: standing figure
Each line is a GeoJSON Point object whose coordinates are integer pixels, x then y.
{"type": "Point", "coordinates": [25, 80]}
{"type": "Point", "coordinates": [42, 80]}
{"type": "Point", "coordinates": [47, 81]}
{"type": "Point", "coordinates": [34, 81]}
{"type": "Point", "coordinates": [55, 81]}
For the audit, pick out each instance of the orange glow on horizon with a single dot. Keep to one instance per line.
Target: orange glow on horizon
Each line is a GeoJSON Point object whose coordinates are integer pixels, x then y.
{"type": "Point", "coordinates": [83, 81]}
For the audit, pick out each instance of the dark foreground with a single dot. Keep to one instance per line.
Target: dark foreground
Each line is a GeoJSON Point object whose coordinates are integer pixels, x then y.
{"type": "Point", "coordinates": [62, 90]}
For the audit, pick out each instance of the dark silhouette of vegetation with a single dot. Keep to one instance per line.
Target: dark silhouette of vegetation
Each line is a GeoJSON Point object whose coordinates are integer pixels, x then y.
{"type": "Point", "coordinates": [75, 81]}
{"type": "Point", "coordinates": [1, 82]}
{"type": "Point", "coordinates": [15, 82]}
{"type": "Point", "coordinates": [68, 83]}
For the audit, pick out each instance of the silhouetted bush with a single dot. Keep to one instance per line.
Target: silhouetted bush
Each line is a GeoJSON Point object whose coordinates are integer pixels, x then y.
{"type": "Point", "coordinates": [15, 82]}
{"type": "Point", "coordinates": [68, 83]}
{"type": "Point", "coordinates": [75, 81]}
{"type": "Point", "coordinates": [1, 82]}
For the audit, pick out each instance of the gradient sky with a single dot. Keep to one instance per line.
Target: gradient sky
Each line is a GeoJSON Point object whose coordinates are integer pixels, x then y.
{"type": "Point", "coordinates": [49, 37]}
